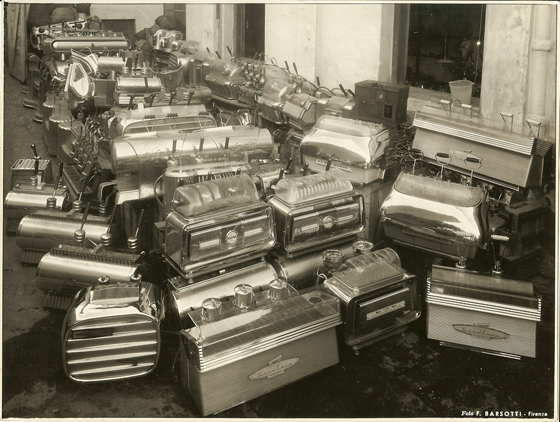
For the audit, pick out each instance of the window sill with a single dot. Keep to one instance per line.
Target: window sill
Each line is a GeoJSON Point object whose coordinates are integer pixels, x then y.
{"type": "Point", "coordinates": [419, 98]}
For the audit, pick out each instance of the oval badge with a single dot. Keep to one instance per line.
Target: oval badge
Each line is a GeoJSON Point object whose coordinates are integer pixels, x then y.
{"type": "Point", "coordinates": [232, 237]}
{"type": "Point", "coordinates": [480, 331]}
{"type": "Point", "coordinates": [328, 222]}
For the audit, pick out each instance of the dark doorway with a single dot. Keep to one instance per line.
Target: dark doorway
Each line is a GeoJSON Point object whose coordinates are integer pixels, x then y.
{"type": "Point", "coordinates": [253, 29]}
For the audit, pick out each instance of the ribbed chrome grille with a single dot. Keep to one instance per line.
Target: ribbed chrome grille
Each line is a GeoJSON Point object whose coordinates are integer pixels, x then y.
{"type": "Point", "coordinates": [29, 164]}
{"type": "Point", "coordinates": [112, 348]}
{"type": "Point", "coordinates": [487, 139]}
{"type": "Point", "coordinates": [188, 123]}
{"type": "Point", "coordinates": [173, 61]}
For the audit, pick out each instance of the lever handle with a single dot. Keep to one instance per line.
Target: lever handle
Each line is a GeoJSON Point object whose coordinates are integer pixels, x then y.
{"type": "Point", "coordinates": [218, 54]}
{"type": "Point", "coordinates": [60, 170]}
{"type": "Point", "coordinates": [287, 66]}
{"type": "Point", "coordinates": [305, 169]}
{"type": "Point", "coordinates": [415, 153]}
{"type": "Point", "coordinates": [318, 82]}
{"type": "Point", "coordinates": [441, 157]}
{"type": "Point", "coordinates": [499, 238]}
{"type": "Point", "coordinates": [201, 145]}
{"type": "Point", "coordinates": [191, 94]}
{"type": "Point", "coordinates": [289, 164]}
{"type": "Point", "coordinates": [34, 148]}
{"type": "Point", "coordinates": [328, 166]}
{"type": "Point", "coordinates": [343, 90]}
{"type": "Point", "coordinates": [351, 92]}
{"type": "Point", "coordinates": [172, 97]}
{"type": "Point", "coordinates": [281, 175]}
{"type": "Point", "coordinates": [295, 68]}
{"type": "Point", "coordinates": [229, 51]}
{"type": "Point", "coordinates": [226, 144]}
{"type": "Point", "coordinates": [85, 216]}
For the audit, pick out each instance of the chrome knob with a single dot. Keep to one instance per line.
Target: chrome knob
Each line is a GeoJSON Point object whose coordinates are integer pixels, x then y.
{"type": "Point", "coordinates": [278, 290]}
{"type": "Point", "coordinates": [79, 236]}
{"type": "Point", "coordinates": [106, 239]}
{"type": "Point", "coordinates": [211, 309]}
{"type": "Point", "coordinates": [77, 205]}
{"type": "Point", "coordinates": [51, 203]}
{"type": "Point", "coordinates": [362, 247]}
{"type": "Point", "coordinates": [104, 280]}
{"type": "Point", "coordinates": [332, 259]}
{"type": "Point", "coordinates": [243, 296]}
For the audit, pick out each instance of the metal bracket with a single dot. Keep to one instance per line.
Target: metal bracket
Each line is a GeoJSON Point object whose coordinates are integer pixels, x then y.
{"type": "Point", "coordinates": [467, 107]}
{"type": "Point", "coordinates": [532, 123]}
{"type": "Point", "coordinates": [510, 115]}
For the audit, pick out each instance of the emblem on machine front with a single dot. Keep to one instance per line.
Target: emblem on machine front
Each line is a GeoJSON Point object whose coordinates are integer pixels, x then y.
{"type": "Point", "coordinates": [232, 237]}
{"type": "Point", "coordinates": [480, 331]}
{"type": "Point", "coordinates": [275, 367]}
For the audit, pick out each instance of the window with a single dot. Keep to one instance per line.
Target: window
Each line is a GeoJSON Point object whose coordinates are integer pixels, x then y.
{"type": "Point", "coordinates": [250, 29]}
{"type": "Point", "coordinates": [445, 43]}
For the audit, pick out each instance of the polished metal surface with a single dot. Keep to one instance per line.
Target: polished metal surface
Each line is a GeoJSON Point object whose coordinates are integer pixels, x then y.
{"type": "Point", "coordinates": [267, 325]}
{"type": "Point", "coordinates": [35, 197]}
{"type": "Point", "coordinates": [140, 85]}
{"type": "Point", "coordinates": [176, 176]}
{"type": "Point", "coordinates": [86, 265]}
{"type": "Point", "coordinates": [24, 168]}
{"type": "Point", "coordinates": [139, 159]}
{"type": "Point", "coordinates": [159, 119]}
{"type": "Point", "coordinates": [378, 297]}
{"type": "Point", "coordinates": [301, 111]}
{"type": "Point", "coordinates": [111, 332]}
{"type": "Point", "coordinates": [107, 64]}
{"type": "Point", "coordinates": [353, 146]}
{"type": "Point", "coordinates": [186, 295]}
{"type": "Point", "coordinates": [275, 94]}
{"type": "Point", "coordinates": [300, 271]}
{"type": "Point", "coordinates": [313, 210]}
{"type": "Point", "coordinates": [64, 42]}
{"type": "Point", "coordinates": [509, 155]}
{"type": "Point", "coordinates": [436, 215]}
{"type": "Point", "coordinates": [44, 230]}
{"type": "Point", "coordinates": [483, 312]}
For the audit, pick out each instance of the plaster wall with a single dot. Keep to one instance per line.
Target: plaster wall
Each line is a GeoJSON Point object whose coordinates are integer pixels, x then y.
{"type": "Point", "coordinates": [145, 15]}
{"type": "Point", "coordinates": [340, 43]}
{"type": "Point", "coordinates": [348, 43]}
{"type": "Point", "coordinates": [506, 61]}
{"type": "Point", "coordinates": [202, 26]}
{"type": "Point", "coordinates": [291, 35]}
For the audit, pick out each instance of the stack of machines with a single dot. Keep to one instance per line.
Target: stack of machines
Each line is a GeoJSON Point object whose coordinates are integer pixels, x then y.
{"type": "Point", "coordinates": [261, 246]}
{"type": "Point", "coordinates": [313, 213]}
{"type": "Point", "coordinates": [476, 207]}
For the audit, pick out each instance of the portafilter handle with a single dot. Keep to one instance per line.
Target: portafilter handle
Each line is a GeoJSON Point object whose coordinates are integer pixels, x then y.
{"type": "Point", "coordinates": [443, 159]}
{"type": "Point", "coordinates": [474, 163]}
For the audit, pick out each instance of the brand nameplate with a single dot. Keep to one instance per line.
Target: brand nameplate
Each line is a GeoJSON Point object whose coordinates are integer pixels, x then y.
{"type": "Point", "coordinates": [463, 154]}
{"type": "Point", "coordinates": [274, 368]}
{"type": "Point", "coordinates": [480, 331]}
{"type": "Point", "coordinates": [385, 310]}
{"type": "Point", "coordinates": [338, 166]}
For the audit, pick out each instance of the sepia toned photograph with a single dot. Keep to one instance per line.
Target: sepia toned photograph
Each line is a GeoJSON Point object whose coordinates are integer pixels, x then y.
{"type": "Point", "coordinates": [279, 210]}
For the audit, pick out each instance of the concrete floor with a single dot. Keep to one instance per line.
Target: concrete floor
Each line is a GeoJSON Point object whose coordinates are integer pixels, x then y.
{"type": "Point", "coordinates": [406, 376]}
